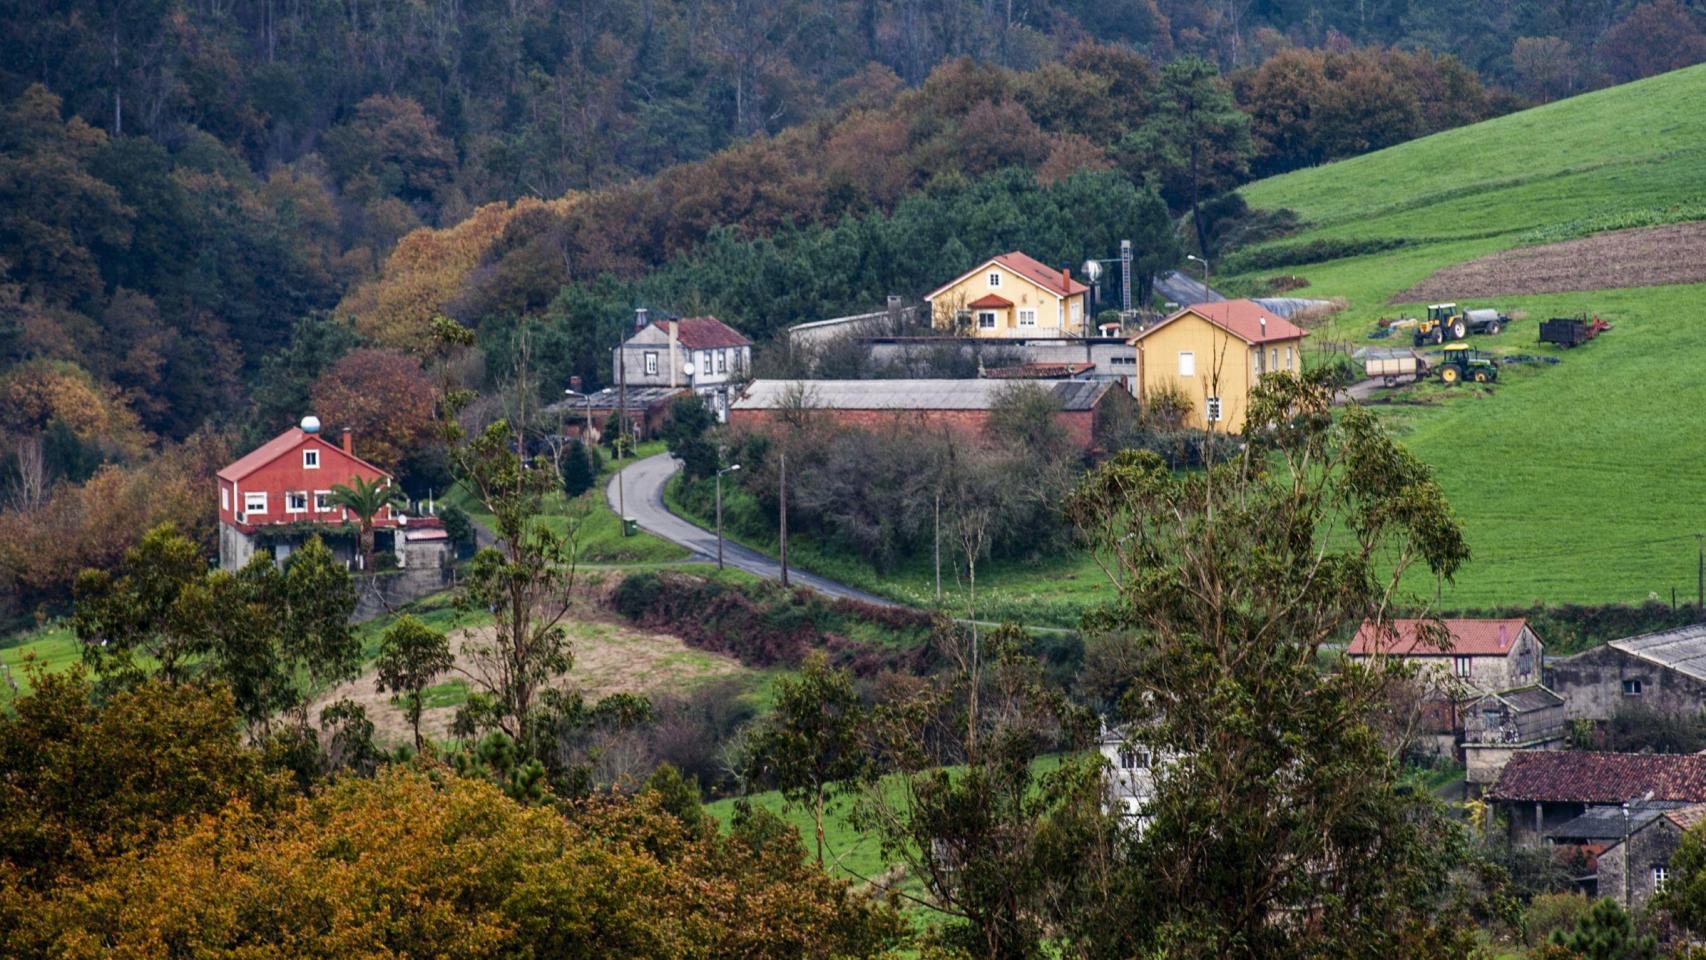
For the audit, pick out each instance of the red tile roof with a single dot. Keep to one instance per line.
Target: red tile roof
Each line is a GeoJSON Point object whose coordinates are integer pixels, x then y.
{"type": "Point", "coordinates": [1245, 319]}
{"type": "Point", "coordinates": [277, 447]}
{"type": "Point", "coordinates": [1687, 817]}
{"type": "Point", "coordinates": [1055, 281]}
{"type": "Point", "coordinates": [704, 333]}
{"type": "Point", "coordinates": [264, 454]}
{"type": "Point", "coordinates": [990, 301]}
{"type": "Point", "coordinates": [1472, 638]}
{"type": "Point", "coordinates": [1573, 776]}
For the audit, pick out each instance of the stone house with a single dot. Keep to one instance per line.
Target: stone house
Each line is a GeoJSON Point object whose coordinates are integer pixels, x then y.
{"type": "Point", "coordinates": [1498, 725]}
{"type": "Point", "coordinates": [1664, 671]}
{"type": "Point", "coordinates": [1475, 656]}
{"type": "Point", "coordinates": [1635, 868]}
{"type": "Point", "coordinates": [702, 354]}
{"type": "Point", "coordinates": [1540, 791]}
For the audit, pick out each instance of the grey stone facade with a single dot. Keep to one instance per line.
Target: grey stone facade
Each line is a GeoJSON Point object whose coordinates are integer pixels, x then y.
{"type": "Point", "coordinates": [659, 355]}
{"type": "Point", "coordinates": [1633, 870]}
{"type": "Point", "coordinates": [1595, 683]}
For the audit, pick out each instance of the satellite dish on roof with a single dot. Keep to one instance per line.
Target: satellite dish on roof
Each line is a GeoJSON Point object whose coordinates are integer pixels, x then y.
{"type": "Point", "coordinates": [1093, 270]}
{"type": "Point", "coordinates": [310, 424]}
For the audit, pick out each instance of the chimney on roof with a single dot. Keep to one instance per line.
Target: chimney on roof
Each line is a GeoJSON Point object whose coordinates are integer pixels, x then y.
{"type": "Point", "coordinates": [639, 319]}
{"type": "Point", "coordinates": [674, 338]}
{"type": "Point", "coordinates": [349, 447]}
{"type": "Point", "coordinates": [1502, 640]}
{"type": "Point", "coordinates": [1066, 278]}
{"type": "Point", "coordinates": [1264, 322]}
{"type": "Point", "coordinates": [894, 315]}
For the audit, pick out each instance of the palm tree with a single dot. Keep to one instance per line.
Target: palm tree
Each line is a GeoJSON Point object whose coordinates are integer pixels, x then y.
{"type": "Point", "coordinates": [365, 498]}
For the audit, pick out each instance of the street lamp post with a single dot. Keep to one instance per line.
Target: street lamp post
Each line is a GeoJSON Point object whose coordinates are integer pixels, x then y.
{"type": "Point", "coordinates": [1192, 256]}
{"type": "Point", "coordinates": [731, 468]}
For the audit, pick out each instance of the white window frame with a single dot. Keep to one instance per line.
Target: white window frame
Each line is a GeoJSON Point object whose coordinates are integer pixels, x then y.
{"type": "Point", "coordinates": [1288, 358]}
{"type": "Point", "coordinates": [1661, 873]}
{"type": "Point", "coordinates": [1187, 363]}
{"type": "Point", "coordinates": [722, 361]}
{"type": "Point", "coordinates": [1027, 318]}
{"type": "Point", "coordinates": [322, 502]}
{"type": "Point", "coordinates": [251, 497]}
{"type": "Point", "coordinates": [651, 360]}
{"type": "Point", "coordinates": [224, 497]}
{"type": "Point", "coordinates": [1273, 358]}
{"type": "Point", "coordinates": [1460, 666]}
{"type": "Point", "coordinates": [1077, 313]}
{"type": "Point", "coordinates": [289, 495]}
{"type": "Point", "coordinates": [1633, 687]}
{"type": "Point", "coordinates": [988, 315]}
{"type": "Point", "coordinates": [311, 459]}
{"type": "Point", "coordinates": [705, 363]}
{"type": "Point", "coordinates": [994, 280]}
{"type": "Point", "coordinates": [1212, 411]}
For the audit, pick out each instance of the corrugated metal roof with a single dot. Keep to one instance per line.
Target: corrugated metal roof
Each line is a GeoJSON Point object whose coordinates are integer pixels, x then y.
{"type": "Point", "coordinates": [910, 394]}
{"type": "Point", "coordinates": [1682, 649]}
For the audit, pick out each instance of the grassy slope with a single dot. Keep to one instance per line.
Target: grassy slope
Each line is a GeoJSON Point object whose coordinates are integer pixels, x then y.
{"type": "Point", "coordinates": [1575, 482]}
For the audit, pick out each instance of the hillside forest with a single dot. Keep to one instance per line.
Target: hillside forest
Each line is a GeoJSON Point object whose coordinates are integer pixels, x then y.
{"type": "Point", "coordinates": [215, 216]}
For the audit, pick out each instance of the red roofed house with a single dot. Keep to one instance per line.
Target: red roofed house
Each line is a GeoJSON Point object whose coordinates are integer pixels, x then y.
{"type": "Point", "coordinates": [1483, 700]}
{"type": "Point", "coordinates": [702, 354]}
{"type": "Point", "coordinates": [1636, 867]}
{"type": "Point", "coordinates": [1011, 295]}
{"type": "Point", "coordinates": [1484, 656]}
{"type": "Point", "coordinates": [1211, 354]}
{"type": "Point", "coordinates": [288, 480]}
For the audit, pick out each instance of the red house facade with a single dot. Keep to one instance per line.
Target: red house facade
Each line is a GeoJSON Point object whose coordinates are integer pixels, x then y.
{"type": "Point", "coordinates": [288, 480]}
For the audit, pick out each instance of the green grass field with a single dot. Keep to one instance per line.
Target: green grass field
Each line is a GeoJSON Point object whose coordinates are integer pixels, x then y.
{"type": "Point", "coordinates": [52, 648]}
{"type": "Point", "coordinates": [1575, 482]}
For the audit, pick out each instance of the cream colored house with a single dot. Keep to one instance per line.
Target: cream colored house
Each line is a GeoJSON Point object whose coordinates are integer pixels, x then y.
{"type": "Point", "coordinates": [1212, 354]}
{"type": "Point", "coordinates": [1011, 295]}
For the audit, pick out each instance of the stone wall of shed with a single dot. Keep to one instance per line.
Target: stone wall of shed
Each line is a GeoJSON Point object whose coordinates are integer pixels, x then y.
{"type": "Point", "coordinates": [1591, 684]}
{"type": "Point", "coordinates": [1626, 870]}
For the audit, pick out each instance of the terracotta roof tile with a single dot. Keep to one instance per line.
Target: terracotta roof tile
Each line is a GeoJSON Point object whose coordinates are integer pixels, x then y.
{"type": "Point", "coordinates": [264, 454]}
{"type": "Point", "coordinates": [704, 333]}
{"type": "Point", "coordinates": [1243, 319]}
{"type": "Point", "coordinates": [1474, 638]}
{"type": "Point", "coordinates": [1688, 817]}
{"type": "Point", "coordinates": [990, 301]}
{"type": "Point", "coordinates": [1055, 281]}
{"type": "Point", "coordinates": [1571, 776]}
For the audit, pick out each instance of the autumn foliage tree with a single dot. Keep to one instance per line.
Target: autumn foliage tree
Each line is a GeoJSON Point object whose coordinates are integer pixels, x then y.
{"type": "Point", "coordinates": [427, 864]}
{"type": "Point", "coordinates": [383, 397]}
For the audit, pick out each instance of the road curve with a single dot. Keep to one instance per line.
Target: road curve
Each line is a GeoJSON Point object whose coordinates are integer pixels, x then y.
{"type": "Point", "coordinates": [639, 487]}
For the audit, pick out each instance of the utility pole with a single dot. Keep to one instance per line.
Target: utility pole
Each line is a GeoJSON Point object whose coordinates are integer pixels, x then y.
{"type": "Point", "coordinates": [938, 545]}
{"type": "Point", "coordinates": [782, 517]}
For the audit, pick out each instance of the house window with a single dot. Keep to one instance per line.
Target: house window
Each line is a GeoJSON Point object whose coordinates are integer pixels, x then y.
{"type": "Point", "coordinates": [1077, 315]}
{"type": "Point", "coordinates": [1273, 358]}
{"type": "Point", "coordinates": [995, 279]}
{"type": "Point", "coordinates": [254, 503]}
{"type": "Point", "coordinates": [986, 319]}
{"type": "Point", "coordinates": [323, 501]}
{"type": "Point", "coordinates": [1211, 409]}
{"type": "Point", "coordinates": [1027, 318]}
{"type": "Point", "coordinates": [1631, 688]}
{"type": "Point", "coordinates": [1660, 874]}
{"type": "Point", "coordinates": [296, 501]}
{"type": "Point", "coordinates": [1288, 358]}
{"type": "Point", "coordinates": [310, 459]}
{"type": "Point", "coordinates": [1134, 759]}
{"type": "Point", "coordinates": [1187, 363]}
{"type": "Point", "coordinates": [224, 498]}
{"type": "Point", "coordinates": [1258, 362]}
{"type": "Point", "coordinates": [722, 361]}
{"type": "Point", "coordinates": [1460, 666]}
{"type": "Point", "coordinates": [705, 363]}
{"type": "Point", "coordinates": [651, 363]}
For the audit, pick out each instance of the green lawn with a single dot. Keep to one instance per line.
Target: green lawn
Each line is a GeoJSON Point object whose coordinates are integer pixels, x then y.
{"type": "Point", "coordinates": [599, 532]}
{"type": "Point", "coordinates": [54, 648]}
{"type": "Point", "coordinates": [1575, 482]}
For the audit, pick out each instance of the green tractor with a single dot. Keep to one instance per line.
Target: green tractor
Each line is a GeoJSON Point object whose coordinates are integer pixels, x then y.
{"type": "Point", "coordinates": [1460, 361]}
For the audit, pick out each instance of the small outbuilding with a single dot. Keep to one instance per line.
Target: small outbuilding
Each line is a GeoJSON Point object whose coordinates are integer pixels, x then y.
{"type": "Point", "coordinates": [1663, 671]}
{"type": "Point", "coordinates": [1542, 790]}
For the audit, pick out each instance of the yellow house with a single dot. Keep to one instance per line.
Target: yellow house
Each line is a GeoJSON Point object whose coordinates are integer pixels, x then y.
{"type": "Point", "coordinates": [1011, 295]}
{"type": "Point", "coordinates": [1212, 354]}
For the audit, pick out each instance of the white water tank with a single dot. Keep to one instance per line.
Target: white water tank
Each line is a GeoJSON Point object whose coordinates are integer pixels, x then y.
{"type": "Point", "coordinates": [310, 424]}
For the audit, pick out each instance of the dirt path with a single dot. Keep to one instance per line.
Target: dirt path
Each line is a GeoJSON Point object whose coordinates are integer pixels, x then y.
{"type": "Point", "coordinates": [609, 658]}
{"type": "Point", "coordinates": [1642, 257]}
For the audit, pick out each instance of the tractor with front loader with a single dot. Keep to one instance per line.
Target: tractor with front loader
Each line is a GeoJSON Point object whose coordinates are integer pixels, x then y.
{"type": "Point", "coordinates": [1460, 361]}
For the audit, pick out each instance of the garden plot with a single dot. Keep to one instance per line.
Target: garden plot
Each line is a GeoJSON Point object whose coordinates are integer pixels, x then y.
{"type": "Point", "coordinates": [1642, 257]}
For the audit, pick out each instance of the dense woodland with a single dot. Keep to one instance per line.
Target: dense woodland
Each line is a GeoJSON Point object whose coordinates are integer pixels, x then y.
{"type": "Point", "coordinates": [206, 207]}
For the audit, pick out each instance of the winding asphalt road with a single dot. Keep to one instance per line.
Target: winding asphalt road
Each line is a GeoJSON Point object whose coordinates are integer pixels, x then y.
{"type": "Point", "coordinates": [642, 492]}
